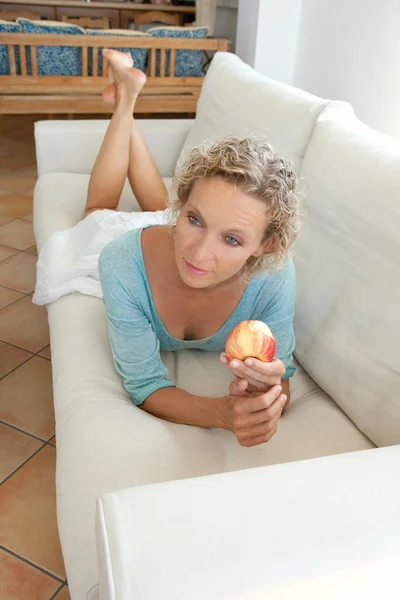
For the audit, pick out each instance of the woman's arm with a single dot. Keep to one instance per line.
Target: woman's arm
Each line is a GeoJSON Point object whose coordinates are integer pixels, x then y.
{"type": "Point", "coordinates": [178, 406]}
{"type": "Point", "coordinates": [252, 419]}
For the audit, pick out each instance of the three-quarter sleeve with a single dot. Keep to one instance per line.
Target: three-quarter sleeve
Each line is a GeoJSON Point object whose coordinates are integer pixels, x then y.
{"type": "Point", "coordinates": [278, 314]}
{"type": "Point", "coordinates": [134, 344]}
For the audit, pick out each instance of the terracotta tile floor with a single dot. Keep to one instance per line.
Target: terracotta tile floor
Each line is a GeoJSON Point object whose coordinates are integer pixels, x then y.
{"type": "Point", "coordinates": [31, 563]}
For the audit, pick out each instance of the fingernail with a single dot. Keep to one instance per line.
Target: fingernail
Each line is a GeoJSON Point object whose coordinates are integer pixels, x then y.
{"type": "Point", "coordinates": [284, 398]}
{"type": "Point", "coordinates": [234, 364]}
{"type": "Point", "coordinates": [223, 359]}
{"type": "Point", "coordinates": [279, 389]}
{"type": "Point", "coordinates": [248, 362]}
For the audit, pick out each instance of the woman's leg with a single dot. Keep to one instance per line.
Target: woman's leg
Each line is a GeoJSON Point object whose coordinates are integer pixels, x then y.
{"type": "Point", "coordinates": [143, 174]}
{"type": "Point", "coordinates": [124, 150]}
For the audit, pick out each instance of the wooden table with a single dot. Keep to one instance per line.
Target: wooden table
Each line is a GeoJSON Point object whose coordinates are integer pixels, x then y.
{"type": "Point", "coordinates": [119, 13]}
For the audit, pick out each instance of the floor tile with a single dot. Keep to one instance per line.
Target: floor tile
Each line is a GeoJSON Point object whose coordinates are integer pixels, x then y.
{"type": "Point", "coordinates": [8, 297]}
{"type": "Point", "coordinates": [25, 325]}
{"type": "Point", "coordinates": [4, 218]}
{"type": "Point", "coordinates": [17, 182]}
{"type": "Point", "coordinates": [20, 581]}
{"type": "Point", "coordinates": [6, 252]}
{"type": "Point", "coordinates": [16, 161]}
{"type": "Point", "coordinates": [18, 234]}
{"type": "Point", "coordinates": [32, 250]}
{"type": "Point", "coordinates": [30, 169]}
{"type": "Point", "coordinates": [19, 272]}
{"type": "Point", "coordinates": [64, 594]}
{"type": "Point", "coordinates": [27, 398]}
{"type": "Point", "coordinates": [15, 448]}
{"type": "Point", "coordinates": [28, 523]}
{"type": "Point", "coordinates": [16, 205]}
{"type": "Point", "coordinates": [11, 358]}
{"type": "Point", "coordinates": [46, 352]}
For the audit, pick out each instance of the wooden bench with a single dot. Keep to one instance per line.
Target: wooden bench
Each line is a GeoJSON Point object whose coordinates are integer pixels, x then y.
{"type": "Point", "coordinates": [23, 93]}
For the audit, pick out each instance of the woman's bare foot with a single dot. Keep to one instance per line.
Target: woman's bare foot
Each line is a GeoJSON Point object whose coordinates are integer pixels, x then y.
{"type": "Point", "coordinates": [124, 80]}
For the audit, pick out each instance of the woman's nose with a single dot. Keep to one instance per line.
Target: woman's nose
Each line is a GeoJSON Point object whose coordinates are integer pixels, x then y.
{"type": "Point", "coordinates": [203, 252]}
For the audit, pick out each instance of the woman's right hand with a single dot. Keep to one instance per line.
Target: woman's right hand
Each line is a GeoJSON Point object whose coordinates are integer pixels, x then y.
{"type": "Point", "coordinates": [253, 418]}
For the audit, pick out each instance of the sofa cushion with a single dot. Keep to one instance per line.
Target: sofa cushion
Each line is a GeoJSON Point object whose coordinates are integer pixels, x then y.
{"type": "Point", "coordinates": [132, 447]}
{"type": "Point", "coordinates": [348, 273]}
{"type": "Point", "coordinates": [188, 63]}
{"type": "Point", "coordinates": [236, 100]}
{"type": "Point", "coordinates": [54, 60]}
{"type": "Point", "coordinates": [139, 55]}
{"type": "Point", "coordinates": [9, 27]}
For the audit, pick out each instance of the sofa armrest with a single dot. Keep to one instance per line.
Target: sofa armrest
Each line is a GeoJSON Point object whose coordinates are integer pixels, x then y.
{"type": "Point", "coordinates": [321, 528]}
{"type": "Point", "coordinates": [72, 146]}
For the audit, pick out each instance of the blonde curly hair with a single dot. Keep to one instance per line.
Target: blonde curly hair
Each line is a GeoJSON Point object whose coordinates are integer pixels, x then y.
{"type": "Point", "coordinates": [254, 168]}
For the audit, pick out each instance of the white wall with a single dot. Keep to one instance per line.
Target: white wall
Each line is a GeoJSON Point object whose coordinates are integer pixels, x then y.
{"type": "Point", "coordinates": [337, 49]}
{"type": "Point", "coordinates": [278, 27]}
{"type": "Point", "coordinates": [267, 36]}
{"type": "Point", "coordinates": [247, 30]}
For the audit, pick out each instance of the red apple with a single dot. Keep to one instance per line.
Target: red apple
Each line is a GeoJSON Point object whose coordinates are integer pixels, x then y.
{"type": "Point", "coordinates": [250, 339]}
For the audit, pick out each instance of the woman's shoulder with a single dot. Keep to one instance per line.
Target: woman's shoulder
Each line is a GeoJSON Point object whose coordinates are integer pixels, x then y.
{"type": "Point", "coordinates": [268, 288]}
{"type": "Point", "coordinates": [277, 279]}
{"type": "Point", "coordinates": [121, 258]}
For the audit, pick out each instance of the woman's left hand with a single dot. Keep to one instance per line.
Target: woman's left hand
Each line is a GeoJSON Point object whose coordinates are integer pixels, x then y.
{"type": "Point", "coordinates": [260, 375]}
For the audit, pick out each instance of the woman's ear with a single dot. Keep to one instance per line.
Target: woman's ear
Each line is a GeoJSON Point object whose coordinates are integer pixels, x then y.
{"type": "Point", "coordinates": [266, 248]}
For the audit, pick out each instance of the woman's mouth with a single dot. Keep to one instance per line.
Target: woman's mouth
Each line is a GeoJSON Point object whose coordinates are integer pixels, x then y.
{"type": "Point", "coordinates": [195, 270]}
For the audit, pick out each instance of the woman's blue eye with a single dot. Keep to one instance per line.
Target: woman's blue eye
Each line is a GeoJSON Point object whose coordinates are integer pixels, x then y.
{"type": "Point", "coordinates": [232, 241]}
{"type": "Point", "coordinates": [194, 220]}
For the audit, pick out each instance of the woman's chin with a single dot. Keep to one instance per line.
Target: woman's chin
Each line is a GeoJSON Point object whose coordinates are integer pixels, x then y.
{"type": "Point", "coordinates": [192, 280]}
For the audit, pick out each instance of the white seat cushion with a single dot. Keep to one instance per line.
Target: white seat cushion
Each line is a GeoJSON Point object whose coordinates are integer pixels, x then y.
{"type": "Point", "coordinates": [347, 261]}
{"type": "Point", "coordinates": [237, 100]}
{"type": "Point", "coordinates": [105, 443]}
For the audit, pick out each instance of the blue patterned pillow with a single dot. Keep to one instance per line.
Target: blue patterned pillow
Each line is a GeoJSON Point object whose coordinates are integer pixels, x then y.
{"type": "Point", "coordinates": [54, 60]}
{"type": "Point", "coordinates": [8, 27]}
{"type": "Point", "coordinates": [188, 63]}
{"type": "Point", "coordinates": [139, 55]}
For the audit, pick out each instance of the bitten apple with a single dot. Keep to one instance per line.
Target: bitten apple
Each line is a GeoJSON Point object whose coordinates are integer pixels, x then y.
{"type": "Point", "coordinates": [250, 339]}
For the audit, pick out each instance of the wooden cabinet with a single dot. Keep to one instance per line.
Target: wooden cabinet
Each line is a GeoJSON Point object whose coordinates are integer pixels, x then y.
{"type": "Point", "coordinates": [84, 11]}
{"type": "Point", "coordinates": [47, 12]}
{"type": "Point", "coordinates": [121, 14]}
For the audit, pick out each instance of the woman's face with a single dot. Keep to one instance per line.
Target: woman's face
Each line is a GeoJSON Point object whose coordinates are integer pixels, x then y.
{"type": "Point", "coordinates": [218, 229]}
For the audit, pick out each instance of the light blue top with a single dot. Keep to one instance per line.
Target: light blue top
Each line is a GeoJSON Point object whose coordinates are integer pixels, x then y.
{"type": "Point", "coordinates": [137, 334]}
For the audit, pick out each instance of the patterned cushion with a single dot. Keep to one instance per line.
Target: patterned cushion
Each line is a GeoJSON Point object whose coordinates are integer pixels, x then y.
{"type": "Point", "coordinates": [139, 55]}
{"type": "Point", "coordinates": [54, 60]}
{"type": "Point", "coordinates": [188, 63]}
{"type": "Point", "coordinates": [8, 27]}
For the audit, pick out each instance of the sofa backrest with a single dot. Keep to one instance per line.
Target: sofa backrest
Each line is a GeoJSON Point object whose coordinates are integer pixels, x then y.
{"type": "Point", "coordinates": [237, 100]}
{"type": "Point", "coordinates": [347, 260]}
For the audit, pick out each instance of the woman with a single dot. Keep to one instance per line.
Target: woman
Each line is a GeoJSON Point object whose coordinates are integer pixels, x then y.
{"type": "Point", "coordinates": [186, 286]}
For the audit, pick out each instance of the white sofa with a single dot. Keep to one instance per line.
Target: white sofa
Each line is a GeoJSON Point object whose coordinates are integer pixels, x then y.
{"type": "Point", "coordinates": [287, 529]}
